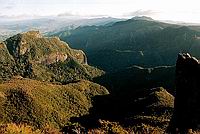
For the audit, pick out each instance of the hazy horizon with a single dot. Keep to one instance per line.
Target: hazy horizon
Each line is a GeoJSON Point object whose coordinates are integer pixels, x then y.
{"type": "Point", "coordinates": [179, 10]}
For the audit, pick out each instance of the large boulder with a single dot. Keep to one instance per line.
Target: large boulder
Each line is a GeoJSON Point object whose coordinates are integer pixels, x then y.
{"type": "Point", "coordinates": [187, 109]}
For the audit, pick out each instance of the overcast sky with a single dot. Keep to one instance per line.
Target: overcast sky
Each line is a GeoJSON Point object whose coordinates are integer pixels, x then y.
{"type": "Point", "coordinates": [179, 10]}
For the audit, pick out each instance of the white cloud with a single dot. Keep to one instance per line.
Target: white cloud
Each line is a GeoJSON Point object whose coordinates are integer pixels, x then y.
{"type": "Point", "coordinates": [140, 13]}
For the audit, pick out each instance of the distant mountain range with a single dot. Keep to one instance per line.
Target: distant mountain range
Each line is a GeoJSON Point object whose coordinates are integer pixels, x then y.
{"type": "Point", "coordinates": [139, 52]}
{"type": "Point", "coordinates": [49, 24]}
{"type": "Point", "coordinates": [139, 41]}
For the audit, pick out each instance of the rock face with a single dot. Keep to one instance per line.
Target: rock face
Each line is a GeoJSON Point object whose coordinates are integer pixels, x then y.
{"type": "Point", "coordinates": [187, 109]}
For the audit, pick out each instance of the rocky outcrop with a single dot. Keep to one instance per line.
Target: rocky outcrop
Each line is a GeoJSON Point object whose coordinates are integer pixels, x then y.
{"type": "Point", "coordinates": [187, 99]}
{"type": "Point", "coordinates": [80, 56]}
{"type": "Point", "coordinates": [45, 50]}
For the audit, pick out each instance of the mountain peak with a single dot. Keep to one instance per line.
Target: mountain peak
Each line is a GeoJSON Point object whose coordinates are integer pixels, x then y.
{"type": "Point", "coordinates": [36, 34]}
{"type": "Point", "coordinates": [142, 18]}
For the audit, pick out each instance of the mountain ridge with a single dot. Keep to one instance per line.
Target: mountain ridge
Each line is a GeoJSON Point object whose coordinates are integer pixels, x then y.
{"type": "Point", "coordinates": [151, 43]}
{"type": "Point", "coordinates": [45, 58]}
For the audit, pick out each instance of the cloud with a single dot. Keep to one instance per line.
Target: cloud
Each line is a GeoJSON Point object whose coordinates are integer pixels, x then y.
{"type": "Point", "coordinates": [71, 14]}
{"type": "Point", "coordinates": [8, 4]}
{"type": "Point", "coordinates": [9, 7]}
{"type": "Point", "coordinates": [140, 13]}
{"type": "Point", "coordinates": [67, 14]}
{"type": "Point", "coordinates": [18, 17]}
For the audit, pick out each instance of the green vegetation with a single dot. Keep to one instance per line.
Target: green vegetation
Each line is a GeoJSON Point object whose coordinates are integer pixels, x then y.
{"type": "Point", "coordinates": [40, 103]}
{"type": "Point", "coordinates": [6, 63]}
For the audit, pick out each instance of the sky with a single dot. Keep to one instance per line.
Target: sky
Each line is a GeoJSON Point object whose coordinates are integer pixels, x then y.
{"type": "Point", "coordinates": [176, 10]}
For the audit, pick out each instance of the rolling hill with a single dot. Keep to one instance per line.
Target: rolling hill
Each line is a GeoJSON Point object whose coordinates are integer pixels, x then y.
{"type": "Point", "coordinates": [42, 103]}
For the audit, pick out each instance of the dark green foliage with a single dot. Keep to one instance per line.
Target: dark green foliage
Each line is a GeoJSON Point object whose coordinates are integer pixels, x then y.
{"type": "Point", "coordinates": [6, 71]}
{"type": "Point", "coordinates": [68, 71]}
{"type": "Point", "coordinates": [7, 64]}
{"type": "Point", "coordinates": [19, 107]}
